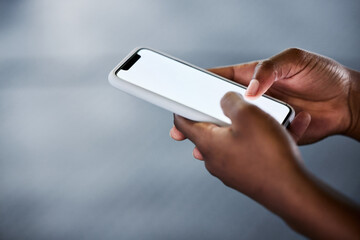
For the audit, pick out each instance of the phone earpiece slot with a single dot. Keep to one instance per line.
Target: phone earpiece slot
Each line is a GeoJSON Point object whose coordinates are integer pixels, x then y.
{"type": "Point", "coordinates": [130, 62]}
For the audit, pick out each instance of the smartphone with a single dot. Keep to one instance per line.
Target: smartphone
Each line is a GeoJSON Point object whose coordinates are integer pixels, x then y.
{"type": "Point", "coordinates": [183, 88]}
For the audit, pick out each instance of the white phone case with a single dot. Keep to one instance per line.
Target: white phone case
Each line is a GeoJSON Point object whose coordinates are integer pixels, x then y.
{"type": "Point", "coordinates": [164, 102]}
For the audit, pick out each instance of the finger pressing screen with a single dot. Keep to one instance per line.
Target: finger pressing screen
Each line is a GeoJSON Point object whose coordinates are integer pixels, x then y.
{"type": "Point", "coordinates": [264, 76]}
{"type": "Point", "coordinates": [241, 73]}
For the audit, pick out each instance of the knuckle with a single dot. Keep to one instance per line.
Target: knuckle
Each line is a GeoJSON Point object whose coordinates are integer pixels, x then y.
{"type": "Point", "coordinates": [295, 52]}
{"type": "Point", "coordinates": [208, 133]}
{"type": "Point", "coordinates": [210, 168]}
{"type": "Point", "coordinates": [267, 64]}
{"type": "Point", "coordinates": [215, 167]}
{"type": "Point", "coordinates": [204, 141]}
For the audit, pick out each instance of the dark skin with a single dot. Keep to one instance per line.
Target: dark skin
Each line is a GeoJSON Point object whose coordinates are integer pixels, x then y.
{"type": "Point", "coordinates": [258, 157]}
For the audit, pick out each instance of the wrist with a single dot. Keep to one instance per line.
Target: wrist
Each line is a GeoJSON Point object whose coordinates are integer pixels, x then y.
{"type": "Point", "coordinates": [354, 105]}
{"type": "Point", "coordinates": [282, 197]}
{"type": "Point", "coordinates": [315, 210]}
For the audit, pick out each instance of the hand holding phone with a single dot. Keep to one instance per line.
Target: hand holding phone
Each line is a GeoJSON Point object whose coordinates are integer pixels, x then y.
{"type": "Point", "coordinates": [184, 89]}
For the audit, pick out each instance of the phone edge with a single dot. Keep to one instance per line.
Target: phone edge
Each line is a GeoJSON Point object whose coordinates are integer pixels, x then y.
{"type": "Point", "coordinates": [112, 78]}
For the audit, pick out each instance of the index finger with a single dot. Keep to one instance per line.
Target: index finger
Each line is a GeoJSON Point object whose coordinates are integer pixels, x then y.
{"type": "Point", "coordinates": [241, 73]}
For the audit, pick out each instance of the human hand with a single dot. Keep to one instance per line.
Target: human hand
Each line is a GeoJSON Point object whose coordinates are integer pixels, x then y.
{"type": "Point", "coordinates": [311, 84]}
{"type": "Point", "coordinates": [239, 155]}
{"type": "Point", "coordinates": [258, 157]}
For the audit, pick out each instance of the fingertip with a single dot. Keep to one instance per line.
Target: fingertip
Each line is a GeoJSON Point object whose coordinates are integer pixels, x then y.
{"type": "Point", "coordinates": [230, 98]}
{"type": "Point", "coordinates": [252, 89]}
{"type": "Point", "coordinates": [197, 154]}
{"type": "Point", "coordinates": [176, 134]}
{"type": "Point", "coordinates": [251, 98]}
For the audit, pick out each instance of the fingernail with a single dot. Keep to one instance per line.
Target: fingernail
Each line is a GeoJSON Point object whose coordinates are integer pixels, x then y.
{"type": "Point", "coordinates": [252, 88]}
{"type": "Point", "coordinates": [170, 132]}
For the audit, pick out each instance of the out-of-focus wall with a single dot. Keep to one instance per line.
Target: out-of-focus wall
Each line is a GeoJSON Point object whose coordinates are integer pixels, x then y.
{"type": "Point", "coordinates": [81, 160]}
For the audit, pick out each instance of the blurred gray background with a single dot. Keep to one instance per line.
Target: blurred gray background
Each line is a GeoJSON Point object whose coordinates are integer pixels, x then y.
{"type": "Point", "coordinates": [82, 160]}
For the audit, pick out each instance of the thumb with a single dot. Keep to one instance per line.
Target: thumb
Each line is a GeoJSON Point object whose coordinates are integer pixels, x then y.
{"type": "Point", "coordinates": [281, 66]}
{"type": "Point", "coordinates": [265, 74]}
{"type": "Point", "coordinates": [235, 108]}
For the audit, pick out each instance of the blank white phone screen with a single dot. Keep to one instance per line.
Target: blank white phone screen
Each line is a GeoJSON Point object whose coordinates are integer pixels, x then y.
{"type": "Point", "coordinates": [189, 86]}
